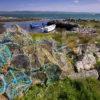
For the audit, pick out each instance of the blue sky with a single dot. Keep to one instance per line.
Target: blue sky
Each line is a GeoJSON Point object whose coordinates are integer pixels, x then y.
{"type": "Point", "coordinates": [51, 5]}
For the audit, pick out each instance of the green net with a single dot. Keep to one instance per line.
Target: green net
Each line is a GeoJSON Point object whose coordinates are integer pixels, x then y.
{"type": "Point", "coordinates": [5, 55]}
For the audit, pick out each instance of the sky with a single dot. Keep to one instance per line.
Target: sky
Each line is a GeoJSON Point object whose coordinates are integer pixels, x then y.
{"type": "Point", "coordinates": [51, 5]}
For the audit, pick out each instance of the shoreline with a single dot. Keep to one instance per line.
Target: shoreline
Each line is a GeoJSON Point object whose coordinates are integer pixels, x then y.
{"type": "Point", "coordinates": [67, 24]}
{"type": "Point", "coordinates": [24, 19]}
{"type": "Point", "coordinates": [19, 20]}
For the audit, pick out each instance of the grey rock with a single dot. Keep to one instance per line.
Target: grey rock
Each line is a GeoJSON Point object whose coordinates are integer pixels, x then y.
{"type": "Point", "coordinates": [87, 62]}
{"type": "Point", "coordinates": [84, 74]}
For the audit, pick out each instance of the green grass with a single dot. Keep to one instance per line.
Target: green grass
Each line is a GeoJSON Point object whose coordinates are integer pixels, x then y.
{"type": "Point", "coordinates": [40, 36]}
{"type": "Point", "coordinates": [97, 64]}
{"type": "Point", "coordinates": [58, 37]}
{"type": "Point", "coordinates": [93, 24]}
{"type": "Point", "coordinates": [86, 89]}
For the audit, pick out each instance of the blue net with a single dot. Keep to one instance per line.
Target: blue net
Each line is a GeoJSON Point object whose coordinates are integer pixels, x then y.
{"type": "Point", "coordinates": [14, 83]}
{"type": "Point", "coordinates": [20, 83]}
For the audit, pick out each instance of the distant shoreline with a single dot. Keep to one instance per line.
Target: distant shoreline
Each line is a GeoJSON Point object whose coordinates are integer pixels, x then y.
{"type": "Point", "coordinates": [19, 20]}
{"type": "Point", "coordinates": [41, 19]}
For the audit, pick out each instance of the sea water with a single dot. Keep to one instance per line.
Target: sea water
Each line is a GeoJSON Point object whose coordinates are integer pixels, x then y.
{"type": "Point", "coordinates": [51, 15]}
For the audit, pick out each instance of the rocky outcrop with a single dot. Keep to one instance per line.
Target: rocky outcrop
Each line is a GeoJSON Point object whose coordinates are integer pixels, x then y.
{"type": "Point", "coordinates": [63, 24]}
{"type": "Point", "coordinates": [90, 54]}
{"type": "Point", "coordinates": [87, 63]}
{"type": "Point", "coordinates": [84, 74]}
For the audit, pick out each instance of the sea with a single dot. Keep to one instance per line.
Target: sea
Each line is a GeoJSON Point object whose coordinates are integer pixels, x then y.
{"type": "Point", "coordinates": [52, 15]}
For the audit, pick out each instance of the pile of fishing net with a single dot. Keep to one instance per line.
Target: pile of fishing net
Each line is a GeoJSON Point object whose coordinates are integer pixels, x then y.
{"type": "Point", "coordinates": [13, 79]}
{"type": "Point", "coordinates": [19, 65]}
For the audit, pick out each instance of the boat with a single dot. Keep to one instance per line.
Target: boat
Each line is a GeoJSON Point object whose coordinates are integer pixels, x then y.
{"type": "Point", "coordinates": [38, 25]}
{"type": "Point", "coordinates": [49, 28]}
{"type": "Point", "coordinates": [42, 27]}
{"type": "Point", "coordinates": [34, 26]}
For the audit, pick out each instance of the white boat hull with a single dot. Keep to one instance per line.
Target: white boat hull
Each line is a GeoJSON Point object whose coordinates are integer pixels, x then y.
{"type": "Point", "coordinates": [49, 28]}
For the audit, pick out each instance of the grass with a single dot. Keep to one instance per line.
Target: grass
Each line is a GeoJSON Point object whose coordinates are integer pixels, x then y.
{"type": "Point", "coordinates": [97, 64]}
{"type": "Point", "coordinates": [86, 89]}
{"type": "Point", "coordinates": [69, 37]}
{"type": "Point", "coordinates": [41, 36]}
{"type": "Point", "coordinates": [93, 24]}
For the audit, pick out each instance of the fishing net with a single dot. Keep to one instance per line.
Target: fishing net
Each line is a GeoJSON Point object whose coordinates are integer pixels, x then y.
{"type": "Point", "coordinates": [17, 50]}
{"type": "Point", "coordinates": [5, 55]}
{"type": "Point", "coordinates": [13, 81]}
{"type": "Point", "coordinates": [52, 72]}
{"type": "Point", "coordinates": [2, 84]}
{"type": "Point", "coordinates": [21, 61]}
{"type": "Point", "coordinates": [47, 74]}
{"type": "Point", "coordinates": [17, 83]}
